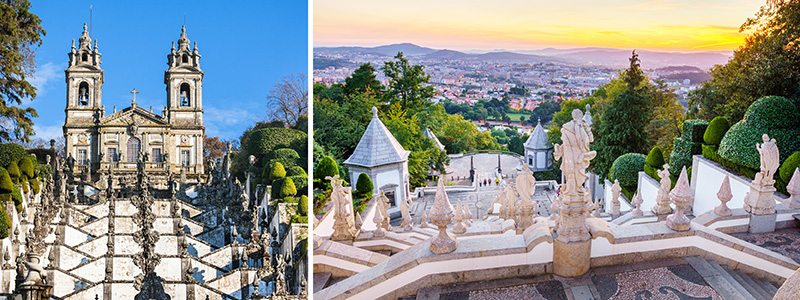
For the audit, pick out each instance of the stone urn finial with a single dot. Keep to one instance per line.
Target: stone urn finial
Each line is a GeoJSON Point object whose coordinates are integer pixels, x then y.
{"type": "Point", "coordinates": [459, 228]}
{"type": "Point", "coordinates": [637, 203]}
{"type": "Point", "coordinates": [794, 190]}
{"type": "Point", "coordinates": [441, 215]}
{"type": "Point", "coordinates": [681, 195]}
{"type": "Point", "coordinates": [724, 195]}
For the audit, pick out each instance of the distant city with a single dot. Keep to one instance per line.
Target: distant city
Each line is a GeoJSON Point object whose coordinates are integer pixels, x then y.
{"type": "Point", "coordinates": [527, 79]}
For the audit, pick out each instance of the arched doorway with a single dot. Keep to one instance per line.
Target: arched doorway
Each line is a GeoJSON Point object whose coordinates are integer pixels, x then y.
{"type": "Point", "coordinates": [134, 145]}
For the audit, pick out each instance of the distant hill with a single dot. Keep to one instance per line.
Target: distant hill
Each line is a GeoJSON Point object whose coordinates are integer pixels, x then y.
{"type": "Point", "coordinates": [323, 63]}
{"type": "Point", "coordinates": [609, 57]}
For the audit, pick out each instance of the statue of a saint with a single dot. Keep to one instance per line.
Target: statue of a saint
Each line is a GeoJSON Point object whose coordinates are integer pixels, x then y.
{"type": "Point", "coordinates": [525, 183]}
{"type": "Point", "coordinates": [576, 136]}
{"type": "Point", "coordinates": [770, 160]}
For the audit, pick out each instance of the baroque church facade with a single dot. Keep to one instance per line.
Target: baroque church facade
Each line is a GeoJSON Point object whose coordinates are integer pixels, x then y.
{"type": "Point", "coordinates": [170, 143]}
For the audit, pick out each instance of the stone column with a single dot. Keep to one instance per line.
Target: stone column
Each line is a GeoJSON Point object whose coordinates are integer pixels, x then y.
{"type": "Point", "coordinates": [615, 205]}
{"type": "Point", "coordinates": [441, 215]}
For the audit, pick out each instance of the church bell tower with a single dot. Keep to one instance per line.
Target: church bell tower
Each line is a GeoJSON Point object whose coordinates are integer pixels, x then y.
{"type": "Point", "coordinates": [184, 80]}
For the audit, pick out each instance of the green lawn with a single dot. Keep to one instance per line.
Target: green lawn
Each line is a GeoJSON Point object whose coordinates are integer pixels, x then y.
{"type": "Point", "coordinates": [514, 117]}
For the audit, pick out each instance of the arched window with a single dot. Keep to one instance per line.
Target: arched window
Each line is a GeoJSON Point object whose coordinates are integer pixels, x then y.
{"type": "Point", "coordinates": [184, 95]}
{"type": "Point", "coordinates": [185, 59]}
{"type": "Point", "coordinates": [134, 145]}
{"type": "Point", "coordinates": [85, 57]}
{"type": "Point", "coordinates": [83, 94]}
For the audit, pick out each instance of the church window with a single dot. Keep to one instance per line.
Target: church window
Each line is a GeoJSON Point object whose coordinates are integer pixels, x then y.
{"type": "Point", "coordinates": [185, 59]}
{"type": "Point", "coordinates": [185, 95]}
{"type": "Point", "coordinates": [156, 155]}
{"type": "Point", "coordinates": [83, 157]}
{"type": "Point", "coordinates": [85, 57]}
{"type": "Point", "coordinates": [134, 146]}
{"type": "Point", "coordinates": [112, 155]}
{"type": "Point", "coordinates": [185, 157]}
{"type": "Point", "coordinates": [83, 94]}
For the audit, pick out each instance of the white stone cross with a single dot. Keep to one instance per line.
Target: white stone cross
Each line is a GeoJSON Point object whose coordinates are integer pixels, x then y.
{"type": "Point", "coordinates": [134, 92]}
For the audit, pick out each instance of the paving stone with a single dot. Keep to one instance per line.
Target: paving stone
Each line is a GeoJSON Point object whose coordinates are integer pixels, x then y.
{"type": "Point", "coordinates": [762, 223]}
{"type": "Point", "coordinates": [581, 292]}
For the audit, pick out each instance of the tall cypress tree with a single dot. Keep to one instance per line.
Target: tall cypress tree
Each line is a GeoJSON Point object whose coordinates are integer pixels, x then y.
{"type": "Point", "coordinates": [621, 127]}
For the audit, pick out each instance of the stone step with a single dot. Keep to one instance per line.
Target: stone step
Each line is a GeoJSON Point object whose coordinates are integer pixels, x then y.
{"type": "Point", "coordinates": [762, 294]}
{"type": "Point", "coordinates": [321, 281]}
{"type": "Point", "coordinates": [738, 277]}
{"type": "Point", "coordinates": [771, 289]}
{"type": "Point", "coordinates": [720, 285]}
{"type": "Point", "coordinates": [737, 285]}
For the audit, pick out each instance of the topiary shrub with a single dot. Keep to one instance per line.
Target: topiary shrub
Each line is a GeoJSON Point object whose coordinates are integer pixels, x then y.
{"type": "Point", "coordinates": [263, 141]}
{"type": "Point", "coordinates": [774, 116]}
{"type": "Point", "coordinates": [35, 185]}
{"type": "Point", "coordinates": [13, 171]}
{"type": "Point", "coordinates": [655, 158]}
{"type": "Point", "coordinates": [626, 168]}
{"type": "Point", "coordinates": [364, 187]}
{"type": "Point", "coordinates": [302, 206]}
{"type": "Point", "coordinates": [16, 196]}
{"type": "Point", "coordinates": [300, 183]}
{"type": "Point", "coordinates": [6, 184]}
{"type": "Point", "coordinates": [276, 171]}
{"type": "Point", "coordinates": [287, 188]}
{"type": "Point", "coordinates": [693, 130]}
{"type": "Point", "coordinates": [687, 145]}
{"type": "Point", "coordinates": [326, 167]}
{"type": "Point", "coordinates": [320, 199]}
{"type": "Point", "coordinates": [11, 152]}
{"type": "Point", "coordinates": [26, 167]}
{"type": "Point", "coordinates": [296, 171]}
{"type": "Point", "coordinates": [786, 169]}
{"type": "Point", "coordinates": [24, 182]}
{"type": "Point", "coordinates": [716, 130]}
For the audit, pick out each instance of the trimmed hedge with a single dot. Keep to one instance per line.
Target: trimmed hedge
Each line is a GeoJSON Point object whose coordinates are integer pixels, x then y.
{"type": "Point", "coordinates": [263, 141]}
{"type": "Point", "coordinates": [787, 168]}
{"type": "Point", "coordinates": [364, 187]}
{"type": "Point", "coordinates": [35, 185]}
{"type": "Point", "coordinates": [26, 167]}
{"type": "Point", "coordinates": [693, 130]}
{"type": "Point", "coordinates": [287, 188]}
{"type": "Point", "coordinates": [774, 116]}
{"type": "Point", "coordinates": [682, 151]}
{"type": "Point", "coordinates": [326, 167]}
{"type": "Point", "coordinates": [716, 130]}
{"type": "Point", "coordinates": [11, 152]}
{"type": "Point", "coordinates": [626, 168]}
{"type": "Point", "coordinates": [6, 184]}
{"type": "Point", "coordinates": [16, 196]}
{"type": "Point", "coordinates": [297, 219]}
{"type": "Point", "coordinates": [13, 171]}
{"type": "Point", "coordinates": [652, 172]}
{"type": "Point", "coordinates": [296, 171]}
{"type": "Point", "coordinates": [276, 171]}
{"type": "Point", "coordinates": [5, 224]}
{"type": "Point", "coordinates": [300, 183]}
{"type": "Point", "coordinates": [655, 158]}
{"type": "Point", "coordinates": [302, 206]}
{"type": "Point", "coordinates": [319, 202]}
{"type": "Point", "coordinates": [711, 152]}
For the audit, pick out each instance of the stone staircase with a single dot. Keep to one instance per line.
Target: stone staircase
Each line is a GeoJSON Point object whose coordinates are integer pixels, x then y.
{"type": "Point", "coordinates": [732, 284]}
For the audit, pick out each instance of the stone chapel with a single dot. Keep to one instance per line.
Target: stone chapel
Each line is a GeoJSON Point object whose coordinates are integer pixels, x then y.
{"type": "Point", "coordinates": [170, 143]}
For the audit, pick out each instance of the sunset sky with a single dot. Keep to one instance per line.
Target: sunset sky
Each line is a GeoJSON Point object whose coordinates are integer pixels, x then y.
{"type": "Point", "coordinates": [673, 25]}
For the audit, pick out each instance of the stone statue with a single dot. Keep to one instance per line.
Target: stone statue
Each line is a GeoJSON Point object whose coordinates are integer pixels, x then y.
{"type": "Point", "coordinates": [793, 187]}
{"type": "Point", "coordinates": [770, 160]}
{"type": "Point", "coordinates": [576, 136]}
{"type": "Point", "coordinates": [526, 186]}
{"type": "Point", "coordinates": [344, 225]}
{"type": "Point", "coordinates": [383, 202]}
{"type": "Point", "coordinates": [36, 274]}
{"type": "Point", "coordinates": [637, 204]}
{"type": "Point", "coordinates": [615, 205]}
{"type": "Point", "coordinates": [404, 211]}
{"type": "Point", "coordinates": [760, 199]}
{"type": "Point", "coordinates": [509, 211]}
{"type": "Point", "coordinates": [662, 198]}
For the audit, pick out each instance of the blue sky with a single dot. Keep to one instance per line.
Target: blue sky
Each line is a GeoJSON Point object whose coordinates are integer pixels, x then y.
{"type": "Point", "coordinates": [246, 47]}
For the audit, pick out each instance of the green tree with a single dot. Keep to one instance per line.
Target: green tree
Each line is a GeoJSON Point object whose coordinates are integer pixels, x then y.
{"type": "Point", "coordinates": [765, 65]}
{"type": "Point", "coordinates": [362, 80]}
{"type": "Point", "coordinates": [406, 84]}
{"type": "Point", "coordinates": [623, 122]}
{"type": "Point", "coordinates": [20, 33]}
{"type": "Point", "coordinates": [517, 144]}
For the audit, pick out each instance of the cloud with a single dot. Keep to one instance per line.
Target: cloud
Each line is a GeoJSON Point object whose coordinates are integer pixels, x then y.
{"type": "Point", "coordinates": [43, 77]}
{"type": "Point", "coordinates": [48, 132]}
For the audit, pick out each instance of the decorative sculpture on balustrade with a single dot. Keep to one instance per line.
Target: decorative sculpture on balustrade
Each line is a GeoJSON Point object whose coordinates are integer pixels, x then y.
{"type": "Point", "coordinates": [526, 187]}
{"type": "Point", "coordinates": [760, 199]}
{"type": "Point", "coordinates": [576, 136]}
